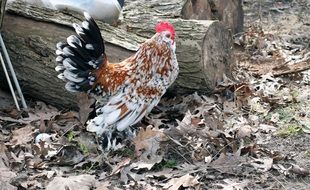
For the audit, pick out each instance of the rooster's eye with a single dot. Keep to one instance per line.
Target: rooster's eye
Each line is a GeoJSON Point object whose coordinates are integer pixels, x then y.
{"type": "Point", "coordinates": [168, 35]}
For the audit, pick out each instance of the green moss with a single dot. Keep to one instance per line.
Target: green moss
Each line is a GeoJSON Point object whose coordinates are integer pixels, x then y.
{"type": "Point", "coordinates": [307, 154]}
{"type": "Point", "coordinates": [84, 148]}
{"type": "Point", "coordinates": [70, 136]}
{"type": "Point", "coordinates": [289, 130]}
{"type": "Point", "coordinates": [171, 163]}
{"type": "Point", "coordinates": [287, 115]}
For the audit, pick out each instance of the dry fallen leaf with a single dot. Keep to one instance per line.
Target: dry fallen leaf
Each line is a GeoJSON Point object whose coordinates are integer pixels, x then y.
{"type": "Point", "coordinates": [244, 131]}
{"type": "Point", "coordinates": [140, 185]}
{"type": "Point", "coordinates": [22, 136]}
{"type": "Point", "coordinates": [262, 164]}
{"type": "Point", "coordinates": [7, 186]}
{"type": "Point", "coordinates": [127, 174]}
{"type": "Point", "coordinates": [5, 174]}
{"type": "Point", "coordinates": [229, 184]}
{"type": "Point", "coordinates": [69, 155]}
{"type": "Point", "coordinates": [184, 181]}
{"type": "Point", "coordinates": [306, 126]}
{"type": "Point", "coordinates": [299, 170]}
{"type": "Point", "coordinates": [295, 169]}
{"type": "Point", "coordinates": [84, 103]}
{"type": "Point", "coordinates": [80, 182]}
{"type": "Point", "coordinates": [120, 166]}
{"type": "Point", "coordinates": [147, 146]}
{"type": "Point", "coordinates": [258, 106]}
{"type": "Point", "coordinates": [104, 185]}
{"type": "Point", "coordinates": [228, 163]}
{"type": "Point", "coordinates": [267, 128]}
{"type": "Point", "coordinates": [41, 112]}
{"type": "Point", "coordinates": [164, 173]}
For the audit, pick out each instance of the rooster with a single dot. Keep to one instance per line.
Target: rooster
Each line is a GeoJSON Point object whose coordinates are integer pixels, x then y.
{"type": "Point", "coordinates": [125, 92]}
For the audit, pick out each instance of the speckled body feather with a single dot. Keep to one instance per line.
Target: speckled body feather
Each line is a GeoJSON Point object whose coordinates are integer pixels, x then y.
{"type": "Point", "coordinates": [125, 91]}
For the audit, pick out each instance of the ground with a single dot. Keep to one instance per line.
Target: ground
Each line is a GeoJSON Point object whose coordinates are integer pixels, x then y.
{"type": "Point", "coordinates": [252, 133]}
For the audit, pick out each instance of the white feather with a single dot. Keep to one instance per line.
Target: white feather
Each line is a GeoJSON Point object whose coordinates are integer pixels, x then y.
{"type": "Point", "coordinates": [67, 65]}
{"type": "Point", "coordinates": [72, 77]}
{"type": "Point", "coordinates": [87, 16]}
{"type": "Point", "coordinates": [130, 119]}
{"type": "Point", "coordinates": [72, 39]}
{"type": "Point", "coordinates": [85, 25]}
{"type": "Point", "coordinates": [89, 46]}
{"type": "Point", "coordinates": [78, 29]}
{"type": "Point", "coordinates": [107, 108]}
{"type": "Point", "coordinates": [96, 125]}
{"type": "Point", "coordinates": [116, 99]}
{"type": "Point", "coordinates": [152, 105]}
{"type": "Point", "coordinates": [70, 87]}
{"type": "Point", "coordinates": [61, 76]}
{"type": "Point", "coordinates": [59, 58]}
{"type": "Point", "coordinates": [112, 117]}
{"type": "Point", "coordinates": [59, 68]}
{"type": "Point", "coordinates": [125, 122]}
{"type": "Point", "coordinates": [66, 51]}
{"type": "Point", "coordinates": [59, 52]}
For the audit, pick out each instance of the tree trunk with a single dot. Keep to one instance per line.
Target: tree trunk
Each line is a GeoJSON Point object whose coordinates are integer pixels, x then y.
{"type": "Point", "coordinates": [31, 33]}
{"type": "Point", "coordinates": [229, 12]}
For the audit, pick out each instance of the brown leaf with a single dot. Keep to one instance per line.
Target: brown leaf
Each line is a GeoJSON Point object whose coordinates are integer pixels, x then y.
{"type": "Point", "coordinates": [7, 186]}
{"type": "Point", "coordinates": [164, 173]}
{"type": "Point", "coordinates": [292, 169]}
{"type": "Point", "coordinates": [299, 170]}
{"type": "Point", "coordinates": [31, 184]}
{"type": "Point", "coordinates": [5, 174]}
{"type": "Point", "coordinates": [42, 127]}
{"type": "Point", "coordinates": [267, 128]}
{"type": "Point", "coordinates": [80, 182]}
{"type": "Point", "coordinates": [41, 112]}
{"type": "Point", "coordinates": [147, 145]}
{"type": "Point", "coordinates": [128, 175]}
{"type": "Point", "coordinates": [228, 163]}
{"type": "Point", "coordinates": [244, 131]}
{"type": "Point", "coordinates": [104, 185]}
{"type": "Point", "coordinates": [69, 155]}
{"type": "Point", "coordinates": [184, 181]}
{"type": "Point", "coordinates": [230, 184]}
{"type": "Point", "coordinates": [22, 136]}
{"type": "Point", "coordinates": [262, 164]}
{"type": "Point", "coordinates": [196, 121]}
{"type": "Point", "coordinates": [84, 103]}
{"type": "Point", "coordinates": [120, 165]}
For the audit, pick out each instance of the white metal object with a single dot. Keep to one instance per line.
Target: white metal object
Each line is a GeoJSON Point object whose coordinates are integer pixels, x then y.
{"type": "Point", "coordinates": [9, 81]}
{"type": "Point", "coordinates": [7, 61]}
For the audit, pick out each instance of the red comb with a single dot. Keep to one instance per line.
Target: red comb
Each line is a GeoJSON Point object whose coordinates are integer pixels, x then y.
{"type": "Point", "coordinates": [165, 26]}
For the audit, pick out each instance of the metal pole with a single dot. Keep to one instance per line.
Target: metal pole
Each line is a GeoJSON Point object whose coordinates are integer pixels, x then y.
{"type": "Point", "coordinates": [6, 56]}
{"type": "Point", "coordinates": [9, 82]}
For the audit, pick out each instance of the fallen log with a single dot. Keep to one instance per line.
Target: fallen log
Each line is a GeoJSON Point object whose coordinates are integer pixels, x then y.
{"type": "Point", "coordinates": [31, 32]}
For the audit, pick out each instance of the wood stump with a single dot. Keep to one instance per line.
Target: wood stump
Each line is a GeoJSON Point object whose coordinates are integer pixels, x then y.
{"type": "Point", "coordinates": [31, 33]}
{"type": "Point", "coordinates": [229, 12]}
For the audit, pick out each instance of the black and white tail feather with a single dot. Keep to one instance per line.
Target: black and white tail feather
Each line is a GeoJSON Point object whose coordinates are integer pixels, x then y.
{"type": "Point", "coordinates": [80, 55]}
{"type": "Point", "coordinates": [77, 58]}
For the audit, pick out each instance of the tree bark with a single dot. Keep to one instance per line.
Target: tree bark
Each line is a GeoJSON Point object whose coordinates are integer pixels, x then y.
{"type": "Point", "coordinates": [229, 12]}
{"type": "Point", "coordinates": [30, 32]}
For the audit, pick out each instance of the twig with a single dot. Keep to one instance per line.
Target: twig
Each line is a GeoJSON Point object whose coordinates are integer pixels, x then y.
{"type": "Point", "coordinates": [68, 130]}
{"type": "Point", "coordinates": [14, 120]}
{"type": "Point", "coordinates": [298, 67]}
{"type": "Point", "coordinates": [182, 155]}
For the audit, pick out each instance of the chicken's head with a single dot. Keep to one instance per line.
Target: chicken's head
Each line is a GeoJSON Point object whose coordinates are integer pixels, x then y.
{"type": "Point", "coordinates": [167, 32]}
